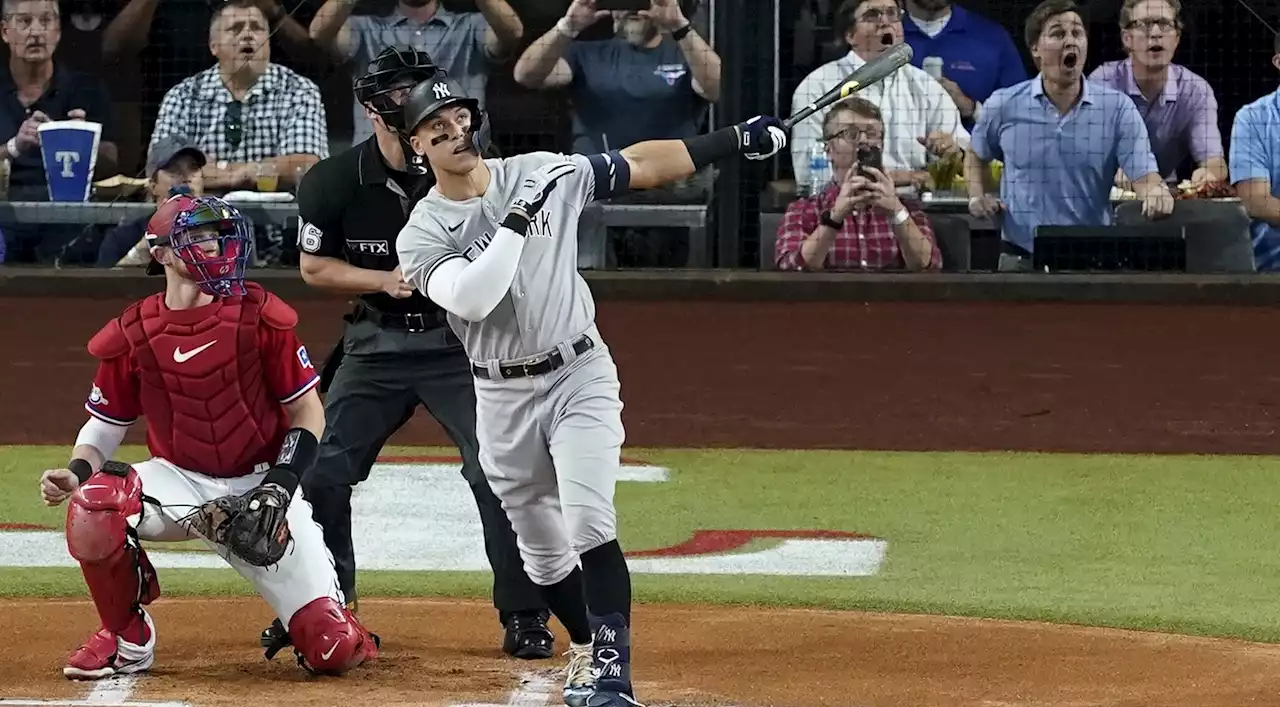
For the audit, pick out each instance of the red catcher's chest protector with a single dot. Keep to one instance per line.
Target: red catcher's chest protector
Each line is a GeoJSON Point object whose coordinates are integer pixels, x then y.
{"type": "Point", "coordinates": [203, 388]}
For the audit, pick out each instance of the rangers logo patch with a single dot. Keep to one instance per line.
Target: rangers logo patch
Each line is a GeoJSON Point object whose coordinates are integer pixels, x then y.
{"type": "Point", "coordinates": [96, 397]}
{"type": "Point", "coordinates": [304, 358]}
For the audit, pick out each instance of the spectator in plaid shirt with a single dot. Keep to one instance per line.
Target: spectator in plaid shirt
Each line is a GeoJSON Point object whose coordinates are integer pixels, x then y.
{"type": "Point", "coordinates": [246, 112]}
{"type": "Point", "coordinates": [857, 222]}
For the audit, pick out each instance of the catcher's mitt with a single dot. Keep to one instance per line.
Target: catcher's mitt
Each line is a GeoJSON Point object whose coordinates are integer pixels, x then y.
{"type": "Point", "coordinates": [252, 526]}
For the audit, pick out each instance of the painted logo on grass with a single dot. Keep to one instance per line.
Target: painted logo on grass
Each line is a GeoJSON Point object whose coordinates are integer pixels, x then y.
{"type": "Point", "coordinates": [418, 514]}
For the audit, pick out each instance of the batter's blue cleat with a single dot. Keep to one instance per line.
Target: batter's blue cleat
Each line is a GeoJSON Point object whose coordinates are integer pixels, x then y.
{"type": "Point", "coordinates": [611, 662]}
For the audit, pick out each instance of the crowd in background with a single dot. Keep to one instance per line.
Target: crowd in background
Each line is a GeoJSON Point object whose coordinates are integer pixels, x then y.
{"type": "Point", "coordinates": [215, 95]}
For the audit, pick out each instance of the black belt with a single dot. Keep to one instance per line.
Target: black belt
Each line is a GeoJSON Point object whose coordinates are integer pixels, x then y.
{"type": "Point", "coordinates": [412, 321]}
{"type": "Point", "coordinates": [540, 366]}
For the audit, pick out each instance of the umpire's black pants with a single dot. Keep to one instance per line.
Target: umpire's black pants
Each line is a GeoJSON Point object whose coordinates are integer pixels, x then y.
{"type": "Point", "coordinates": [368, 400]}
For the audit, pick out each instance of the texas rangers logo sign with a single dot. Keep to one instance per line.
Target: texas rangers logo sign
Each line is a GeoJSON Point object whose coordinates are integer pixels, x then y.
{"type": "Point", "coordinates": [96, 397]}
{"type": "Point", "coordinates": [304, 358]}
{"type": "Point", "coordinates": [441, 90]}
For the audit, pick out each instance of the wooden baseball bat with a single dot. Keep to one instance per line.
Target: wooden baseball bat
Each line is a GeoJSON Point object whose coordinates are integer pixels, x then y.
{"type": "Point", "coordinates": [869, 73]}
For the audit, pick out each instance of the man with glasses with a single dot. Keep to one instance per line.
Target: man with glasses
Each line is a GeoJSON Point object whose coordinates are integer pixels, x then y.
{"type": "Point", "coordinates": [1179, 107]}
{"type": "Point", "coordinates": [920, 117]}
{"type": "Point", "coordinates": [858, 221]}
{"type": "Point", "coordinates": [34, 89]}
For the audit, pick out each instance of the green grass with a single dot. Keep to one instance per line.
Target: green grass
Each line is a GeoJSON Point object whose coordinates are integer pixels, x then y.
{"type": "Point", "coordinates": [1182, 544]}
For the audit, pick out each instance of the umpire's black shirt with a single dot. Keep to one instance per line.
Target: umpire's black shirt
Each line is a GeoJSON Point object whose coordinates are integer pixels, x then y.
{"type": "Point", "coordinates": [351, 206]}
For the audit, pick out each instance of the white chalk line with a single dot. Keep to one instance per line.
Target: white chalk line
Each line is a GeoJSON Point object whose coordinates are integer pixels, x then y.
{"type": "Point", "coordinates": [535, 690]}
{"type": "Point", "coordinates": [109, 692]}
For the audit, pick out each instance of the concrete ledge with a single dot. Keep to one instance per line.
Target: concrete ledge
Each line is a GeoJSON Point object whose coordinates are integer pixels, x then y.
{"type": "Point", "coordinates": [749, 285]}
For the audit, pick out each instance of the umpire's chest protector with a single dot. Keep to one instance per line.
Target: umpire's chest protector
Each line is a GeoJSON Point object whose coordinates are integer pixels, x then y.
{"type": "Point", "coordinates": [203, 386]}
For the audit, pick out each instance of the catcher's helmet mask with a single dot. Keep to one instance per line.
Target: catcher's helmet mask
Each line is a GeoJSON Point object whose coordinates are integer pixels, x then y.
{"type": "Point", "coordinates": [393, 70]}
{"type": "Point", "coordinates": [435, 94]}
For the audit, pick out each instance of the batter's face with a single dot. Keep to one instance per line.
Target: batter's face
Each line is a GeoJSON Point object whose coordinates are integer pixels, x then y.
{"type": "Point", "coordinates": [1061, 48]}
{"type": "Point", "coordinates": [877, 26]}
{"type": "Point", "coordinates": [239, 38]}
{"type": "Point", "coordinates": [1152, 34]}
{"type": "Point", "coordinates": [846, 131]}
{"type": "Point", "coordinates": [32, 29]}
{"type": "Point", "coordinates": [444, 139]}
{"type": "Point", "coordinates": [637, 29]}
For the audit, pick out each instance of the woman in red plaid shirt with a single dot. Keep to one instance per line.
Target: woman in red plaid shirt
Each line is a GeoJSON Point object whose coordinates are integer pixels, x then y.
{"type": "Point", "coordinates": [857, 222]}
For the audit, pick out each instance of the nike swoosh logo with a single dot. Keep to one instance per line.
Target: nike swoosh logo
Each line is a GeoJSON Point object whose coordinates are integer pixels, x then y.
{"type": "Point", "coordinates": [325, 655]}
{"type": "Point", "coordinates": [180, 356]}
{"type": "Point", "coordinates": [454, 228]}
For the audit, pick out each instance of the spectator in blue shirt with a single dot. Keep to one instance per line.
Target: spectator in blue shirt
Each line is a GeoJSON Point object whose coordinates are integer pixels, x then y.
{"type": "Point", "coordinates": [653, 80]}
{"type": "Point", "coordinates": [1255, 171]}
{"type": "Point", "coordinates": [976, 55]}
{"type": "Point", "coordinates": [1061, 140]}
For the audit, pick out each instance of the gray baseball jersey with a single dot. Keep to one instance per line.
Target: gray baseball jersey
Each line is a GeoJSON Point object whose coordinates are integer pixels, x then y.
{"type": "Point", "coordinates": [549, 302]}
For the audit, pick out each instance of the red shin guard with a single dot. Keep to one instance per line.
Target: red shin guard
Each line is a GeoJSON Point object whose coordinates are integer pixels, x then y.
{"type": "Point", "coordinates": [115, 568]}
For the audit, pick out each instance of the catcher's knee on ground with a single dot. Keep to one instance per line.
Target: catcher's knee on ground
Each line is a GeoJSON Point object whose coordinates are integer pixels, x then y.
{"type": "Point", "coordinates": [330, 638]}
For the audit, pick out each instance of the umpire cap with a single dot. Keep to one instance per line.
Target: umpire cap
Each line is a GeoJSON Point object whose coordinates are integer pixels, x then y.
{"type": "Point", "coordinates": [440, 92]}
{"type": "Point", "coordinates": [393, 68]}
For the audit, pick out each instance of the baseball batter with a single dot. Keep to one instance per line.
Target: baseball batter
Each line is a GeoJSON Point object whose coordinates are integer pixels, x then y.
{"type": "Point", "coordinates": [495, 244]}
{"type": "Point", "coordinates": [232, 420]}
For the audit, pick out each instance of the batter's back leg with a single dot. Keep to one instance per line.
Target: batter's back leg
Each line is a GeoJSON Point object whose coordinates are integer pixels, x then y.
{"type": "Point", "coordinates": [449, 395]}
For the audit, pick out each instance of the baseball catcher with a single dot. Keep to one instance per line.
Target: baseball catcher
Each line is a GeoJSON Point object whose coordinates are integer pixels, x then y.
{"type": "Point", "coordinates": [232, 422]}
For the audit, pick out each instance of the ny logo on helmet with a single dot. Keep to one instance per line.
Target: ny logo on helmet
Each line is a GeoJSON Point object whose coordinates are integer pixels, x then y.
{"type": "Point", "coordinates": [441, 90]}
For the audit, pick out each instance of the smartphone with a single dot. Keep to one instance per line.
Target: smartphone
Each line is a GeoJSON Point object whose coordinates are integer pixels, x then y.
{"type": "Point", "coordinates": [869, 156]}
{"type": "Point", "coordinates": [619, 5]}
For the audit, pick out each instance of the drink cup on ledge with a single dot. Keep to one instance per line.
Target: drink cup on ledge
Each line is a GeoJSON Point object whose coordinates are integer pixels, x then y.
{"type": "Point", "coordinates": [267, 178]}
{"type": "Point", "coordinates": [69, 149]}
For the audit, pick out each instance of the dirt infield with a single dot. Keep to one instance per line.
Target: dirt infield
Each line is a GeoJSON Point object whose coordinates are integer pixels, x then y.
{"type": "Point", "coordinates": [901, 376]}
{"type": "Point", "coordinates": [445, 653]}
{"type": "Point", "coordinates": [898, 376]}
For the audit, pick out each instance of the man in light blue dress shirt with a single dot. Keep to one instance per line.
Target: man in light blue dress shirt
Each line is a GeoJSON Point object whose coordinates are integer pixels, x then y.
{"type": "Point", "coordinates": [1061, 140]}
{"type": "Point", "coordinates": [1255, 171]}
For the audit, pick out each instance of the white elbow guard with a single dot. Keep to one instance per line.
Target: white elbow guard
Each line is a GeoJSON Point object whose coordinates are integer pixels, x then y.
{"type": "Point", "coordinates": [103, 436]}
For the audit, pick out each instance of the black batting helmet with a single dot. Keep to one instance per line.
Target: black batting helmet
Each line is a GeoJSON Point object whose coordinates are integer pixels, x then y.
{"type": "Point", "coordinates": [393, 68]}
{"type": "Point", "coordinates": [439, 92]}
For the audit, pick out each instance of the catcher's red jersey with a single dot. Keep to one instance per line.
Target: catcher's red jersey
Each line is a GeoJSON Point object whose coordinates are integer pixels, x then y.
{"type": "Point", "coordinates": [211, 381]}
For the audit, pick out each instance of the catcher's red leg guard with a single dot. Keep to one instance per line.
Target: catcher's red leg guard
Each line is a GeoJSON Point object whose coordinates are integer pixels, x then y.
{"type": "Point", "coordinates": [329, 638]}
{"type": "Point", "coordinates": [116, 569]}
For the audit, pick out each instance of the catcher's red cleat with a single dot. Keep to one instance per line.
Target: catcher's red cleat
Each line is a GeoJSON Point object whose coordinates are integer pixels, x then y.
{"type": "Point", "coordinates": [106, 654]}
